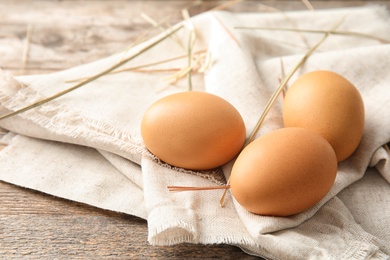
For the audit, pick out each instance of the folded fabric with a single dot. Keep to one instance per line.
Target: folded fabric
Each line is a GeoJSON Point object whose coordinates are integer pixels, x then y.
{"type": "Point", "coordinates": [86, 145]}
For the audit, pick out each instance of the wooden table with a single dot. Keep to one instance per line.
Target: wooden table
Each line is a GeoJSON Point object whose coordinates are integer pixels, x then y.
{"type": "Point", "coordinates": [46, 36]}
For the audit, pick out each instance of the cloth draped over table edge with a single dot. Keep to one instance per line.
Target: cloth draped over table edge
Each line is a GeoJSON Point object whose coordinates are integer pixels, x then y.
{"type": "Point", "coordinates": [106, 148]}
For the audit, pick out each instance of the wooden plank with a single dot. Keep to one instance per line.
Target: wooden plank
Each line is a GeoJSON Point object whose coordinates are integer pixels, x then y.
{"type": "Point", "coordinates": [69, 33]}
{"type": "Point", "coordinates": [33, 224]}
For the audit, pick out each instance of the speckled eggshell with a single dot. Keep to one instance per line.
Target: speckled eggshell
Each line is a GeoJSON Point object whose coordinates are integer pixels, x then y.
{"type": "Point", "coordinates": [330, 105]}
{"type": "Point", "coordinates": [193, 130]}
{"type": "Point", "coordinates": [283, 172]}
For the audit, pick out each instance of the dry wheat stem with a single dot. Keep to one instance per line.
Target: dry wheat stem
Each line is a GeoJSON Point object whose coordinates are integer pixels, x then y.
{"type": "Point", "coordinates": [191, 42]}
{"type": "Point", "coordinates": [292, 22]}
{"type": "Point", "coordinates": [188, 188]}
{"type": "Point", "coordinates": [176, 76]}
{"type": "Point", "coordinates": [222, 200]}
{"type": "Point", "coordinates": [161, 27]}
{"type": "Point", "coordinates": [226, 5]}
{"type": "Point", "coordinates": [260, 7]}
{"type": "Point", "coordinates": [199, 64]}
{"type": "Point", "coordinates": [189, 62]}
{"type": "Point", "coordinates": [345, 33]}
{"type": "Point", "coordinates": [158, 62]}
{"type": "Point", "coordinates": [26, 50]}
{"type": "Point", "coordinates": [227, 31]}
{"type": "Point", "coordinates": [284, 91]}
{"type": "Point", "coordinates": [274, 97]}
{"type": "Point", "coordinates": [282, 86]}
{"type": "Point", "coordinates": [139, 67]}
{"type": "Point", "coordinates": [230, 3]}
{"type": "Point", "coordinates": [141, 38]}
{"type": "Point", "coordinates": [308, 5]}
{"type": "Point", "coordinates": [156, 70]}
{"type": "Point", "coordinates": [156, 41]}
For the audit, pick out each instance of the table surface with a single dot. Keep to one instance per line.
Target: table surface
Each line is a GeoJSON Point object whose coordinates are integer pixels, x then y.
{"type": "Point", "coordinates": [46, 36]}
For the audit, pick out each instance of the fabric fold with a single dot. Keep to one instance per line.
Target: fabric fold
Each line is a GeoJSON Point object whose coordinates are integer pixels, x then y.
{"type": "Point", "coordinates": [70, 171]}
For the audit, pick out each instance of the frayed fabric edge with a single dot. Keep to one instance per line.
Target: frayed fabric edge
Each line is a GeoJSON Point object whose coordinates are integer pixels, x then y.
{"type": "Point", "coordinates": [215, 175]}
{"type": "Point", "coordinates": [364, 251]}
{"type": "Point", "coordinates": [248, 246]}
{"type": "Point", "coordinates": [62, 121]}
{"type": "Point", "coordinates": [155, 238]}
{"type": "Point", "coordinates": [158, 236]}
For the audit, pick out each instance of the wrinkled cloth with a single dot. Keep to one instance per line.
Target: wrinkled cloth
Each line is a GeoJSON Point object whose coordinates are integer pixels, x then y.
{"type": "Point", "coordinates": [86, 146]}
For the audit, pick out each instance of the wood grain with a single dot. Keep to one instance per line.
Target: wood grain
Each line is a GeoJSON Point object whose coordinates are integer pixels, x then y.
{"type": "Point", "coordinates": [68, 33]}
{"type": "Point", "coordinates": [35, 225]}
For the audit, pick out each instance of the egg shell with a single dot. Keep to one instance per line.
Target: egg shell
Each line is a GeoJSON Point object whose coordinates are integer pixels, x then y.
{"type": "Point", "coordinates": [193, 130]}
{"type": "Point", "coordinates": [283, 172]}
{"type": "Point", "coordinates": [326, 102]}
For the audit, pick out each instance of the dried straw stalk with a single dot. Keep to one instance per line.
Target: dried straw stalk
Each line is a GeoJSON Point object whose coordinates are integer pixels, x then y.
{"type": "Point", "coordinates": [226, 5]}
{"type": "Point", "coordinates": [26, 49]}
{"type": "Point", "coordinates": [153, 43]}
{"type": "Point", "coordinates": [190, 46]}
{"type": "Point", "coordinates": [308, 5]}
{"type": "Point", "coordinates": [187, 188]}
{"type": "Point", "coordinates": [346, 33]}
{"type": "Point", "coordinates": [141, 68]}
{"type": "Point", "coordinates": [277, 93]}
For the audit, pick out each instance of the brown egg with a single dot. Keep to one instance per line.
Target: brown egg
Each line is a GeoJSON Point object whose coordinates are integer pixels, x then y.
{"type": "Point", "coordinates": [330, 105]}
{"type": "Point", "coordinates": [193, 130]}
{"type": "Point", "coordinates": [283, 172]}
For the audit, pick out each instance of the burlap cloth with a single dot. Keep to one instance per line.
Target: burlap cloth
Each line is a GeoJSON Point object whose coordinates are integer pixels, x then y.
{"type": "Point", "coordinates": [86, 145]}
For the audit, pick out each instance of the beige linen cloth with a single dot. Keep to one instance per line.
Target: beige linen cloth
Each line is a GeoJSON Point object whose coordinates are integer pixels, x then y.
{"type": "Point", "coordinates": [86, 145]}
